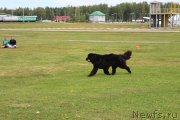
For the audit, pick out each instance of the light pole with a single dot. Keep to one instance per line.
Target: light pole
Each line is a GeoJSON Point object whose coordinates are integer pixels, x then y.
{"type": "Point", "coordinates": [12, 12]}
{"type": "Point", "coordinates": [114, 17]}
{"type": "Point", "coordinates": [132, 16]}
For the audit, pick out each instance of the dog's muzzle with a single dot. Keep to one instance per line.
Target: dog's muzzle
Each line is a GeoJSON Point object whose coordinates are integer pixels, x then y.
{"type": "Point", "coordinates": [88, 60]}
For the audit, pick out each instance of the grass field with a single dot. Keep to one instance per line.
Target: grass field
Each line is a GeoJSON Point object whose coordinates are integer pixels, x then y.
{"type": "Point", "coordinates": [72, 25]}
{"type": "Point", "coordinates": [45, 78]}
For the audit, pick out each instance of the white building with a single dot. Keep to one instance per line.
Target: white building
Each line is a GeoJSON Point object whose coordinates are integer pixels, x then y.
{"type": "Point", "coordinates": [11, 18]}
{"type": "Point", "coordinates": [97, 17]}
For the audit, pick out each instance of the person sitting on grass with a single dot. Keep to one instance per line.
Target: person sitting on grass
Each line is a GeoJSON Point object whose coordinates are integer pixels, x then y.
{"type": "Point", "coordinates": [5, 43]}
{"type": "Point", "coordinates": [12, 42]}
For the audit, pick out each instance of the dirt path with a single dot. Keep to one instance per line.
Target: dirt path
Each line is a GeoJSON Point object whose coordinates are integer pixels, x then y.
{"type": "Point", "coordinates": [121, 41]}
{"type": "Point", "coordinates": [95, 29]}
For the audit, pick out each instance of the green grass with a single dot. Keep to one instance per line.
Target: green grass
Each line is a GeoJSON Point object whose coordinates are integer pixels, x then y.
{"type": "Point", "coordinates": [72, 25]}
{"type": "Point", "coordinates": [47, 73]}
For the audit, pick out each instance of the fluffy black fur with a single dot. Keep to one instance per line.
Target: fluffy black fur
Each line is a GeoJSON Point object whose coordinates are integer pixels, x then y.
{"type": "Point", "coordinates": [108, 60]}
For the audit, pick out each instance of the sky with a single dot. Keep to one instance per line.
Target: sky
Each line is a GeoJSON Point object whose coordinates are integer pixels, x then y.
{"type": "Point", "coordinates": [12, 4]}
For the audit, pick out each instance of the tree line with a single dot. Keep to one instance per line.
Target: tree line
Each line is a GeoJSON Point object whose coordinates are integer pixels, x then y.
{"type": "Point", "coordinates": [123, 12]}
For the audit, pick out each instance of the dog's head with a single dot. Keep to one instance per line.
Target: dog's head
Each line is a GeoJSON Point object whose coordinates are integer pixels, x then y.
{"type": "Point", "coordinates": [91, 57]}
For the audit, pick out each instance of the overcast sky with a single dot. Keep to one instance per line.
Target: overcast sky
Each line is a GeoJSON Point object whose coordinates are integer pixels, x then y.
{"type": "Point", "coordinates": [11, 4]}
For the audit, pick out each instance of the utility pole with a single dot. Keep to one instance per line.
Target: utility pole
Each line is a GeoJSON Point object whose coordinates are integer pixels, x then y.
{"type": "Point", "coordinates": [23, 14]}
{"type": "Point", "coordinates": [12, 12]}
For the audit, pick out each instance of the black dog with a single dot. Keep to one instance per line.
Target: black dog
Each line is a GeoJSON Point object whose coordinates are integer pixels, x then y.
{"type": "Point", "coordinates": [108, 60]}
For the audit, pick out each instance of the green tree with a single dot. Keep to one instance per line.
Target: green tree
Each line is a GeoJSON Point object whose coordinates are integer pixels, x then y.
{"type": "Point", "coordinates": [40, 12]}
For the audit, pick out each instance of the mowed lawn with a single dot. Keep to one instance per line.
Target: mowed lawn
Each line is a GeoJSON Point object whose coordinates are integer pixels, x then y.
{"type": "Point", "coordinates": [45, 77]}
{"type": "Point", "coordinates": [72, 25]}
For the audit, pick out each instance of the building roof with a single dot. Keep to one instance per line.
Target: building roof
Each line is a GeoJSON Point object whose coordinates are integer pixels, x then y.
{"type": "Point", "coordinates": [155, 2]}
{"type": "Point", "coordinates": [97, 13]}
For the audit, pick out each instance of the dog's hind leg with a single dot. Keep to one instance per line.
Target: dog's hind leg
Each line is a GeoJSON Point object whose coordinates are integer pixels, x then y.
{"type": "Point", "coordinates": [126, 67]}
{"type": "Point", "coordinates": [113, 70]}
{"type": "Point", "coordinates": [93, 72]}
{"type": "Point", "coordinates": [106, 71]}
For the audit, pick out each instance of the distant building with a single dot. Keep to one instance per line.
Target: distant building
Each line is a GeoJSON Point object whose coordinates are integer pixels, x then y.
{"type": "Point", "coordinates": [10, 18]}
{"type": "Point", "coordinates": [163, 17]}
{"type": "Point", "coordinates": [61, 18]}
{"type": "Point", "coordinates": [45, 21]}
{"type": "Point", "coordinates": [97, 17]}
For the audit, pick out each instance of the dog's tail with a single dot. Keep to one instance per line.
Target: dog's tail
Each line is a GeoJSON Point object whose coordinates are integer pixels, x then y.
{"type": "Point", "coordinates": [127, 55]}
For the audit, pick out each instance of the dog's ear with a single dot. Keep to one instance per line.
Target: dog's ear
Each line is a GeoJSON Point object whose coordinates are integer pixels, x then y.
{"type": "Point", "coordinates": [92, 57]}
{"type": "Point", "coordinates": [89, 57]}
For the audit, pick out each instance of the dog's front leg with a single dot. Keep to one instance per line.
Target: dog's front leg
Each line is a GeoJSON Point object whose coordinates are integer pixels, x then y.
{"type": "Point", "coordinates": [106, 71]}
{"type": "Point", "coordinates": [93, 72]}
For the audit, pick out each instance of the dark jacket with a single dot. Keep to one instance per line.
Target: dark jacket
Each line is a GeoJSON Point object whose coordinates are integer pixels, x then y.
{"type": "Point", "coordinates": [12, 42]}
